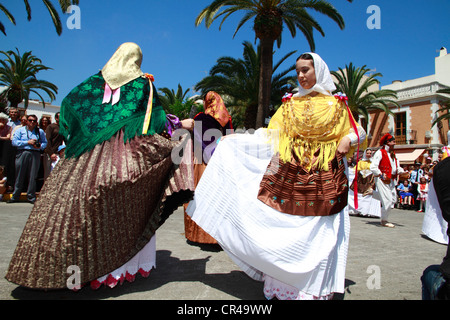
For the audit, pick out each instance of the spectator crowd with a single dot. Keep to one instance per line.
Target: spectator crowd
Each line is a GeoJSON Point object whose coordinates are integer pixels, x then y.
{"type": "Point", "coordinates": [29, 149]}
{"type": "Point", "coordinates": [412, 187]}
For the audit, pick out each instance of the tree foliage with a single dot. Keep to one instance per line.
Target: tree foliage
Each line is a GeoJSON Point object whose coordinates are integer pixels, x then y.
{"type": "Point", "coordinates": [18, 74]}
{"type": "Point", "coordinates": [355, 82]}
{"type": "Point", "coordinates": [63, 4]}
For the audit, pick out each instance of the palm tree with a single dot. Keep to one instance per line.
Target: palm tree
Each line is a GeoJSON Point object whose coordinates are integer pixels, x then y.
{"type": "Point", "coordinates": [270, 16]}
{"type": "Point", "coordinates": [176, 103]}
{"type": "Point", "coordinates": [64, 4]}
{"type": "Point", "coordinates": [238, 80]}
{"type": "Point", "coordinates": [445, 106]}
{"type": "Point", "coordinates": [355, 83]}
{"type": "Point", "coordinates": [170, 97]}
{"type": "Point", "coordinates": [18, 74]}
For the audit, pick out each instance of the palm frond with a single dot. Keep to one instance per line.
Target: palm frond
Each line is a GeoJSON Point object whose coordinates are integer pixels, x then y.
{"type": "Point", "coordinates": [355, 82]}
{"type": "Point", "coordinates": [19, 74]}
{"type": "Point", "coordinates": [7, 14]}
{"type": "Point", "coordinates": [54, 15]}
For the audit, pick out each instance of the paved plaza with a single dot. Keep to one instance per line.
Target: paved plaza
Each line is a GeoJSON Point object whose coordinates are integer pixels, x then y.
{"type": "Point", "coordinates": [383, 264]}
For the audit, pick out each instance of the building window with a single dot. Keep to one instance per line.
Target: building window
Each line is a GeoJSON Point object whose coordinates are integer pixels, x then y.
{"type": "Point", "coordinates": [400, 128]}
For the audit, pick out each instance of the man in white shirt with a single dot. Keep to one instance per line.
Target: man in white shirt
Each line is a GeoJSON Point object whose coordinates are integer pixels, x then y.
{"type": "Point", "coordinates": [385, 168]}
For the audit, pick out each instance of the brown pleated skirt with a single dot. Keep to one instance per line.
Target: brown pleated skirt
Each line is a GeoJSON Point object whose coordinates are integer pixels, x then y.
{"type": "Point", "coordinates": [97, 211]}
{"type": "Point", "coordinates": [289, 188]}
{"type": "Point", "coordinates": [194, 232]}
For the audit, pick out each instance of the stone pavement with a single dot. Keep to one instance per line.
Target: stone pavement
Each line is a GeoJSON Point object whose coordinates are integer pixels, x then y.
{"type": "Point", "coordinates": [204, 272]}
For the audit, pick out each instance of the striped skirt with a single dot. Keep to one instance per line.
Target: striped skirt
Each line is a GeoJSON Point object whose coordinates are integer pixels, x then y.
{"type": "Point", "coordinates": [98, 211]}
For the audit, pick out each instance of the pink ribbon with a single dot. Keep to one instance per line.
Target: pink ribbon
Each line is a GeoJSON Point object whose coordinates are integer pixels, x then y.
{"type": "Point", "coordinates": [115, 94]}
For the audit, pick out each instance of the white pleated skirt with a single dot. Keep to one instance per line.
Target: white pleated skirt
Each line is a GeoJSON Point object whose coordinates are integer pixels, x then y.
{"type": "Point", "coordinates": [367, 205]}
{"type": "Point", "coordinates": [308, 254]}
{"type": "Point", "coordinates": [434, 226]}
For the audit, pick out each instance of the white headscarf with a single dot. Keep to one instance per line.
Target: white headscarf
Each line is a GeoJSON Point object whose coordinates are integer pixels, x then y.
{"type": "Point", "coordinates": [324, 82]}
{"type": "Point", "coordinates": [364, 158]}
{"type": "Point", "coordinates": [124, 65]}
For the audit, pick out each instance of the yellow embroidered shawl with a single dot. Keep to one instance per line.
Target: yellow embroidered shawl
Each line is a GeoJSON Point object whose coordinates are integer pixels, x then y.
{"type": "Point", "coordinates": [364, 165]}
{"type": "Point", "coordinates": [308, 125]}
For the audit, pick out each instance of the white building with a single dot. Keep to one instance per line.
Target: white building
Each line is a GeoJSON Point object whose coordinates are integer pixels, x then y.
{"type": "Point", "coordinates": [411, 123]}
{"type": "Point", "coordinates": [36, 107]}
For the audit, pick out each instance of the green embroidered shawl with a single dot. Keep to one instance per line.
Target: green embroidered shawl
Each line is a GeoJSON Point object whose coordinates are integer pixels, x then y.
{"type": "Point", "coordinates": [85, 121]}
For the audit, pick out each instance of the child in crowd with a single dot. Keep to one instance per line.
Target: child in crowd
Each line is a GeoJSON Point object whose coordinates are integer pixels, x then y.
{"type": "Point", "coordinates": [60, 154]}
{"type": "Point", "coordinates": [422, 193]}
{"type": "Point", "coordinates": [404, 190]}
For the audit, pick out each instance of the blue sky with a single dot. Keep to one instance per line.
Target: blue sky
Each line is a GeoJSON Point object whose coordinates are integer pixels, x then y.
{"type": "Point", "coordinates": [177, 52]}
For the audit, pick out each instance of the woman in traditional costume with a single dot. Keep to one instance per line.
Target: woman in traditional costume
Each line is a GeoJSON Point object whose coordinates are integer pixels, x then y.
{"type": "Point", "coordinates": [434, 226]}
{"type": "Point", "coordinates": [367, 204]}
{"type": "Point", "coordinates": [209, 127]}
{"type": "Point", "coordinates": [98, 212]}
{"type": "Point", "coordinates": [365, 177]}
{"type": "Point", "coordinates": [274, 200]}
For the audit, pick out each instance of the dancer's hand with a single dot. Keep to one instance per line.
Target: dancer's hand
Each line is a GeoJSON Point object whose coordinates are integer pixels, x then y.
{"type": "Point", "coordinates": [187, 124]}
{"type": "Point", "coordinates": [344, 146]}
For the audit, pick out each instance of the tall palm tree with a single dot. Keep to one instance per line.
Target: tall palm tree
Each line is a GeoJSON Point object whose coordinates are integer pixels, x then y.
{"type": "Point", "coordinates": [269, 18]}
{"type": "Point", "coordinates": [445, 106]}
{"type": "Point", "coordinates": [64, 4]}
{"type": "Point", "coordinates": [18, 74]}
{"type": "Point", "coordinates": [355, 83]}
{"type": "Point", "coordinates": [238, 80]}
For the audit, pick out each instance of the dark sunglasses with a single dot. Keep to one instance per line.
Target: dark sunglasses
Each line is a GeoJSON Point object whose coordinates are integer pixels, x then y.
{"type": "Point", "coordinates": [32, 120]}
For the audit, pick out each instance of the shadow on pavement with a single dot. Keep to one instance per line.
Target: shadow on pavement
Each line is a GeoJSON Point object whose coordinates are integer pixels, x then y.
{"type": "Point", "coordinates": [169, 269]}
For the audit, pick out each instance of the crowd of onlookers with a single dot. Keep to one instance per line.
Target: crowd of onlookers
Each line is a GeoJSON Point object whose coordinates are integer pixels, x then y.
{"type": "Point", "coordinates": [412, 191]}
{"type": "Point", "coordinates": [29, 149]}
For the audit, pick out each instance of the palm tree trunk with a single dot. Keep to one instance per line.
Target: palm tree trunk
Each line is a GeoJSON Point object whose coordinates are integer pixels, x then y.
{"type": "Point", "coordinates": [14, 96]}
{"type": "Point", "coordinates": [265, 81]}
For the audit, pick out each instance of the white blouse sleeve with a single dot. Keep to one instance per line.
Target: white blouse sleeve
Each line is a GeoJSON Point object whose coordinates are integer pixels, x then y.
{"type": "Point", "coordinates": [354, 138]}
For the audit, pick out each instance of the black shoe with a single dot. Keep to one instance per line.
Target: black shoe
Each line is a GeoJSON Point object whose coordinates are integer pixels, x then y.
{"type": "Point", "coordinates": [31, 201]}
{"type": "Point", "coordinates": [12, 201]}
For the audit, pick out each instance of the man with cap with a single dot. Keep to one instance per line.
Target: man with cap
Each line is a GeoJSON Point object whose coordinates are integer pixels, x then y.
{"type": "Point", "coordinates": [385, 168]}
{"type": "Point", "coordinates": [58, 156]}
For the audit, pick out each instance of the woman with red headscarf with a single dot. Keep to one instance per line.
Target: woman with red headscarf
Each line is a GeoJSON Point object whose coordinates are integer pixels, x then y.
{"type": "Point", "coordinates": [209, 127]}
